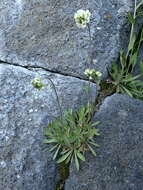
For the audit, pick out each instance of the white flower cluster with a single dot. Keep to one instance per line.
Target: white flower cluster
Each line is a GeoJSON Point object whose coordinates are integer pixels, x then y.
{"type": "Point", "coordinates": [37, 83]}
{"type": "Point", "coordinates": [82, 18]}
{"type": "Point", "coordinates": [92, 74]}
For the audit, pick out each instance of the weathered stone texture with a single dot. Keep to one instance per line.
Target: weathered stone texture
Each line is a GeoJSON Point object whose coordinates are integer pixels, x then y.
{"type": "Point", "coordinates": [25, 164]}
{"type": "Point", "coordinates": [119, 163]}
{"type": "Point", "coordinates": [43, 33]}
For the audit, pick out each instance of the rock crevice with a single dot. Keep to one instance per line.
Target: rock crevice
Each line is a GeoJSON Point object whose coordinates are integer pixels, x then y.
{"type": "Point", "coordinates": [31, 68]}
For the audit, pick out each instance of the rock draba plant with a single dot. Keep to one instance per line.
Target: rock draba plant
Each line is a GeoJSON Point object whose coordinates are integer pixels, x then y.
{"type": "Point", "coordinates": [72, 134]}
{"type": "Point", "coordinates": [122, 76]}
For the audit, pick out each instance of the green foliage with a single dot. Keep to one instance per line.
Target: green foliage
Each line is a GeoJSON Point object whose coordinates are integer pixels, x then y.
{"type": "Point", "coordinates": [131, 18]}
{"type": "Point", "coordinates": [126, 83]}
{"type": "Point", "coordinates": [122, 75]}
{"type": "Point", "coordinates": [140, 4]}
{"type": "Point", "coordinates": [72, 136]}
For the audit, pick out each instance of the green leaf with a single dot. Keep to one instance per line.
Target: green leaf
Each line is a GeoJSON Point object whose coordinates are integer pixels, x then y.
{"type": "Point", "coordinates": [66, 140]}
{"type": "Point", "coordinates": [127, 91]}
{"type": "Point", "coordinates": [140, 13]}
{"type": "Point", "coordinates": [69, 159]}
{"type": "Point", "coordinates": [48, 141]}
{"type": "Point", "coordinates": [114, 73]}
{"type": "Point", "coordinates": [131, 18]}
{"type": "Point", "coordinates": [95, 132]}
{"type": "Point", "coordinates": [132, 42]}
{"type": "Point", "coordinates": [139, 5]}
{"type": "Point", "coordinates": [80, 156]}
{"type": "Point", "coordinates": [141, 67]}
{"type": "Point", "coordinates": [53, 148]}
{"type": "Point", "coordinates": [139, 83]}
{"type": "Point", "coordinates": [47, 132]}
{"type": "Point", "coordinates": [76, 162]}
{"type": "Point", "coordinates": [130, 79]}
{"type": "Point", "coordinates": [123, 62]}
{"type": "Point", "coordinates": [133, 60]}
{"type": "Point", "coordinates": [64, 157]}
{"type": "Point", "coordinates": [95, 124]}
{"type": "Point", "coordinates": [91, 149]}
{"type": "Point", "coordinates": [56, 153]}
{"type": "Point", "coordinates": [93, 143]}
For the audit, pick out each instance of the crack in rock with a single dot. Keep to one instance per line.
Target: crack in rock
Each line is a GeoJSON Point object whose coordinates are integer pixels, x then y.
{"type": "Point", "coordinates": [40, 67]}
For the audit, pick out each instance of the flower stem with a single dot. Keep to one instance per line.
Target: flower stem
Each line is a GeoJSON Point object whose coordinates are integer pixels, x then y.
{"type": "Point", "coordinates": [90, 41]}
{"type": "Point", "coordinates": [57, 97]}
{"type": "Point", "coordinates": [89, 32]}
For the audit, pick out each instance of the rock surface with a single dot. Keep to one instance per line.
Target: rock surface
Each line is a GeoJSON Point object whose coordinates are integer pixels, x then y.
{"type": "Point", "coordinates": [43, 33]}
{"type": "Point", "coordinates": [119, 163]}
{"type": "Point", "coordinates": [24, 112]}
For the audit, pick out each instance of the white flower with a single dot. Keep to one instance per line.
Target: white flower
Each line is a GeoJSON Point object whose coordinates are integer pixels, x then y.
{"type": "Point", "coordinates": [99, 74]}
{"type": "Point", "coordinates": [82, 18]}
{"type": "Point", "coordinates": [37, 83]}
{"type": "Point", "coordinates": [92, 74]}
{"type": "Point", "coordinates": [87, 72]}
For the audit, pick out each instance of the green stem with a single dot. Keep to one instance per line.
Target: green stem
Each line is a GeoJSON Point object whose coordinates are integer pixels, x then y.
{"type": "Point", "coordinates": [57, 97]}
{"type": "Point", "coordinates": [89, 91]}
{"type": "Point", "coordinates": [89, 33]}
{"type": "Point", "coordinates": [90, 40]}
{"type": "Point", "coordinates": [133, 26]}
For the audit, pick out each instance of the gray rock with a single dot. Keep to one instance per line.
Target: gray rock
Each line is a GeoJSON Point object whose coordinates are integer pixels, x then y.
{"type": "Point", "coordinates": [25, 163]}
{"type": "Point", "coordinates": [43, 33]}
{"type": "Point", "coordinates": [119, 163]}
